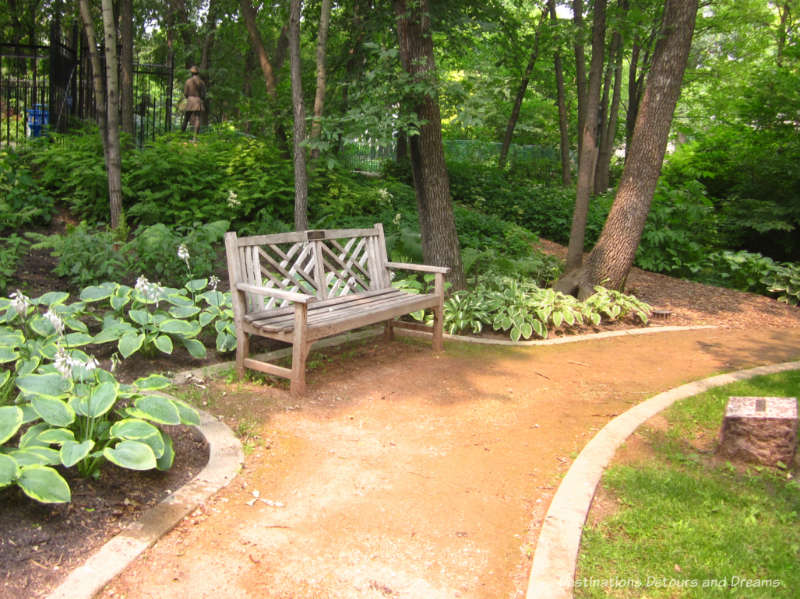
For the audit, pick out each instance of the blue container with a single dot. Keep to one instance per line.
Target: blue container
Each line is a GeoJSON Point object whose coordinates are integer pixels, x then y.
{"type": "Point", "coordinates": [38, 120]}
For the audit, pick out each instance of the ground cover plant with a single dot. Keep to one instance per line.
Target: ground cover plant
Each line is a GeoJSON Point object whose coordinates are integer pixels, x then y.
{"type": "Point", "coordinates": [690, 525]}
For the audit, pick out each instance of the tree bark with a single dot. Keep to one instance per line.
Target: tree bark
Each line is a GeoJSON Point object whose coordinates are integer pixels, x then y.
{"type": "Point", "coordinates": [300, 174]}
{"type": "Point", "coordinates": [611, 259]}
{"type": "Point", "coordinates": [587, 157]}
{"type": "Point", "coordinates": [126, 65]}
{"type": "Point", "coordinates": [431, 182]}
{"type": "Point", "coordinates": [566, 174]}
{"type": "Point", "coordinates": [114, 164]}
{"type": "Point", "coordinates": [608, 114]}
{"type": "Point", "coordinates": [523, 87]}
{"type": "Point", "coordinates": [580, 68]}
{"type": "Point", "coordinates": [319, 97]}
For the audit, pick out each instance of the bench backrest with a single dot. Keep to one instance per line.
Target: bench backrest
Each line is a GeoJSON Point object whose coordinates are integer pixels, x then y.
{"type": "Point", "coordinates": [322, 263]}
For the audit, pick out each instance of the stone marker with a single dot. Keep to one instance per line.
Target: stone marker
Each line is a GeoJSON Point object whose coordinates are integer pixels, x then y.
{"type": "Point", "coordinates": [760, 429]}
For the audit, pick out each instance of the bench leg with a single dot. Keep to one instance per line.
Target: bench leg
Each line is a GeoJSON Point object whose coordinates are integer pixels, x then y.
{"type": "Point", "coordinates": [388, 330]}
{"type": "Point", "coordinates": [242, 351]}
{"type": "Point", "coordinates": [300, 347]}
{"type": "Point", "coordinates": [438, 326]}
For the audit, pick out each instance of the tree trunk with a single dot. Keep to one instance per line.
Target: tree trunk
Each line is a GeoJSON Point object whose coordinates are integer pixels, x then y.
{"type": "Point", "coordinates": [608, 115]}
{"type": "Point", "coordinates": [319, 97]}
{"type": "Point", "coordinates": [432, 185]}
{"type": "Point", "coordinates": [114, 165]}
{"type": "Point", "coordinates": [611, 259]}
{"type": "Point", "coordinates": [580, 69]}
{"type": "Point", "coordinates": [300, 174]}
{"type": "Point", "coordinates": [587, 157]}
{"type": "Point", "coordinates": [523, 87]}
{"type": "Point", "coordinates": [126, 65]}
{"type": "Point", "coordinates": [563, 130]}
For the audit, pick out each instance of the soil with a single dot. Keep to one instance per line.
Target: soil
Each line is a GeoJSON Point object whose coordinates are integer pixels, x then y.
{"type": "Point", "coordinates": [404, 473]}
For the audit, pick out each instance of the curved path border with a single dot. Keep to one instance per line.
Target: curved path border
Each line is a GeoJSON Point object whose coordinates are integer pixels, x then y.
{"type": "Point", "coordinates": [553, 570]}
{"type": "Point", "coordinates": [224, 462]}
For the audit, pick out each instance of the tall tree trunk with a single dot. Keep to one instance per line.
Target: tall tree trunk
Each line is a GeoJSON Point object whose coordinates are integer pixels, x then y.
{"type": "Point", "coordinates": [608, 114]}
{"type": "Point", "coordinates": [580, 68]}
{"type": "Point", "coordinates": [523, 87]}
{"type": "Point", "coordinates": [126, 65]}
{"type": "Point", "coordinates": [588, 154]}
{"type": "Point", "coordinates": [611, 259]}
{"type": "Point", "coordinates": [784, 11]}
{"type": "Point", "coordinates": [114, 165]}
{"type": "Point", "coordinates": [566, 174]}
{"type": "Point", "coordinates": [270, 79]}
{"type": "Point", "coordinates": [319, 97]}
{"type": "Point", "coordinates": [432, 185]}
{"type": "Point", "coordinates": [641, 57]}
{"type": "Point", "coordinates": [300, 174]}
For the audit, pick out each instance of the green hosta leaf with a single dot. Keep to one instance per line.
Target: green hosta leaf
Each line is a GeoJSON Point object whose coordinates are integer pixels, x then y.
{"type": "Point", "coordinates": [558, 318]}
{"type": "Point", "coordinates": [9, 470]}
{"type": "Point", "coordinates": [27, 366]}
{"type": "Point", "coordinates": [28, 414]}
{"type": "Point", "coordinates": [30, 438]}
{"type": "Point", "coordinates": [527, 330]}
{"type": "Point", "coordinates": [569, 318]}
{"type": "Point", "coordinates": [10, 421]}
{"type": "Point", "coordinates": [97, 292]}
{"type": "Point", "coordinates": [195, 348]}
{"type": "Point", "coordinates": [44, 484]}
{"type": "Point", "coordinates": [225, 342]}
{"type": "Point", "coordinates": [48, 351]}
{"type": "Point", "coordinates": [196, 285]}
{"type": "Point", "coordinates": [152, 382]}
{"type": "Point", "coordinates": [213, 298]}
{"type": "Point", "coordinates": [188, 414]}
{"type": "Point", "coordinates": [53, 411]}
{"type": "Point", "coordinates": [182, 328]}
{"type": "Point", "coordinates": [41, 326]}
{"type": "Point", "coordinates": [130, 343]}
{"type": "Point", "coordinates": [11, 338]}
{"type": "Point", "coordinates": [515, 333]}
{"type": "Point", "coordinates": [141, 317]}
{"type": "Point", "coordinates": [133, 429]}
{"type": "Point", "coordinates": [5, 375]}
{"type": "Point", "coordinates": [102, 399]}
{"type": "Point", "coordinates": [183, 311]}
{"type": "Point", "coordinates": [540, 328]}
{"type": "Point", "coordinates": [168, 457]}
{"type": "Point", "coordinates": [133, 455]}
{"type": "Point", "coordinates": [163, 344]}
{"type": "Point", "coordinates": [73, 324]}
{"type": "Point", "coordinates": [51, 385]}
{"type": "Point", "coordinates": [205, 318]}
{"type": "Point", "coordinates": [52, 298]}
{"type": "Point", "coordinates": [596, 318]}
{"type": "Point", "coordinates": [73, 452]}
{"type": "Point", "coordinates": [29, 456]}
{"type": "Point", "coordinates": [8, 355]}
{"type": "Point", "coordinates": [177, 299]}
{"type": "Point", "coordinates": [158, 409]}
{"type": "Point", "coordinates": [77, 339]}
{"type": "Point", "coordinates": [56, 435]}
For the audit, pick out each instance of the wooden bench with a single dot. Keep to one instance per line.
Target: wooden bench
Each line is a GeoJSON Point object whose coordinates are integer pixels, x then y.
{"type": "Point", "coordinates": [302, 286]}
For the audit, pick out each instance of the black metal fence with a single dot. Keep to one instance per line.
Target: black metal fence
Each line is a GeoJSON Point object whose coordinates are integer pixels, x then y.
{"type": "Point", "coordinates": [49, 88]}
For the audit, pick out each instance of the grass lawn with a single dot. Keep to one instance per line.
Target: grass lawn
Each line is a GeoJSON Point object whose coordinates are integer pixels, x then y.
{"type": "Point", "coordinates": [688, 524]}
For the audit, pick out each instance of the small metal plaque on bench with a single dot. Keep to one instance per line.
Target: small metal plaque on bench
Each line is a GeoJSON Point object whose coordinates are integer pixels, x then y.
{"type": "Point", "coordinates": [315, 235]}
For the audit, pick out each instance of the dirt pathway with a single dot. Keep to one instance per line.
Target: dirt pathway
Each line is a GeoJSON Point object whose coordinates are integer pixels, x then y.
{"type": "Point", "coordinates": [404, 474]}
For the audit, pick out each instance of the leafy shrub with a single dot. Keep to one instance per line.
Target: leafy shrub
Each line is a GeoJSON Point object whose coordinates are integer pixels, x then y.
{"type": "Point", "coordinates": [84, 256]}
{"type": "Point", "coordinates": [10, 249]}
{"type": "Point", "coordinates": [22, 201]}
{"type": "Point", "coordinates": [153, 251]}
{"type": "Point", "coordinates": [784, 280]}
{"type": "Point", "coordinates": [680, 231]}
{"type": "Point", "coordinates": [740, 270]}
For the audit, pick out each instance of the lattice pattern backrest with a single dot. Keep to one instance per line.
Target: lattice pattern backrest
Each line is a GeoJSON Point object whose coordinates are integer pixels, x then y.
{"type": "Point", "coordinates": [325, 264]}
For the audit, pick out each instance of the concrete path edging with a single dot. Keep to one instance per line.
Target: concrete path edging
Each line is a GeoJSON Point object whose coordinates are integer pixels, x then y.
{"type": "Point", "coordinates": [554, 562]}
{"type": "Point", "coordinates": [224, 463]}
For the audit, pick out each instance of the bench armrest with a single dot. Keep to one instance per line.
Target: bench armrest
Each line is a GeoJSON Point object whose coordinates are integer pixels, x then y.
{"type": "Point", "coordinates": [418, 267]}
{"type": "Point", "coordinates": [300, 298]}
